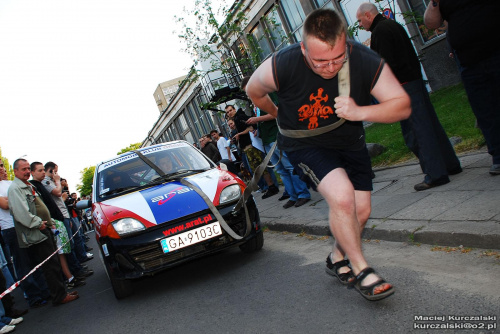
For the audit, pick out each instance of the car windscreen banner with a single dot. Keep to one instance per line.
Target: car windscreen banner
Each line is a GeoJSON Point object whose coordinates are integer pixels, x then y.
{"type": "Point", "coordinates": [133, 155]}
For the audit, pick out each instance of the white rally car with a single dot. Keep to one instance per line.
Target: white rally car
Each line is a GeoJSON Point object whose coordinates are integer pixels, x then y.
{"type": "Point", "coordinates": [163, 205]}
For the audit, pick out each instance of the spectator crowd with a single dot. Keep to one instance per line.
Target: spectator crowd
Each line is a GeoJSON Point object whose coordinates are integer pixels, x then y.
{"type": "Point", "coordinates": [40, 227]}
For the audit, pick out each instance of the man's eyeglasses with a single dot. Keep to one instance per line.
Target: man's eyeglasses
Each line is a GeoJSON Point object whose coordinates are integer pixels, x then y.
{"type": "Point", "coordinates": [331, 62]}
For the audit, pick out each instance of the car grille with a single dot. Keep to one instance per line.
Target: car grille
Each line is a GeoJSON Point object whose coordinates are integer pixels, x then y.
{"type": "Point", "coordinates": [151, 256]}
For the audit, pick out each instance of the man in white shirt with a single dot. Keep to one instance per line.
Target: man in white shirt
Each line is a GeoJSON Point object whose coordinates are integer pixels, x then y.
{"type": "Point", "coordinates": [223, 146]}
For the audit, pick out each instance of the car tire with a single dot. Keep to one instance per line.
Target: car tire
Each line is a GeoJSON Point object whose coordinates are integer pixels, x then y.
{"type": "Point", "coordinates": [253, 245]}
{"type": "Point", "coordinates": [121, 288]}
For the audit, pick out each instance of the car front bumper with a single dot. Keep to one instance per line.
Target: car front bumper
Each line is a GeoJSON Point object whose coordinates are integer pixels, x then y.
{"type": "Point", "coordinates": [141, 254]}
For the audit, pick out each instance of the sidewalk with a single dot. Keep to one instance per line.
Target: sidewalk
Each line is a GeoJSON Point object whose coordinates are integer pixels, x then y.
{"type": "Point", "coordinates": [464, 212]}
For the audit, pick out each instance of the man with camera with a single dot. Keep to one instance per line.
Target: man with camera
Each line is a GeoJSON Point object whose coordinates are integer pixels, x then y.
{"type": "Point", "coordinates": [38, 175]}
{"type": "Point", "coordinates": [52, 182]}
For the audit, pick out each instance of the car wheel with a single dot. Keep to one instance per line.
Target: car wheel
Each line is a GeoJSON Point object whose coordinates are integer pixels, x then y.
{"type": "Point", "coordinates": [121, 288]}
{"type": "Point", "coordinates": [254, 244]}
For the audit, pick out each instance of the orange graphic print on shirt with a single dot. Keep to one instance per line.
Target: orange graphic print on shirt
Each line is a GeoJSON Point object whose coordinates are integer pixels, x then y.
{"type": "Point", "coordinates": [313, 111]}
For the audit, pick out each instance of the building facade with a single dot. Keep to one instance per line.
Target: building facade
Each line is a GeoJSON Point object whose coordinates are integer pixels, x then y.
{"type": "Point", "coordinates": [268, 26]}
{"type": "Point", "coordinates": [165, 91]}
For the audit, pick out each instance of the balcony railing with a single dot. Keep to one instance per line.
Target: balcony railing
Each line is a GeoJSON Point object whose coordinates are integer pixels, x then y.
{"type": "Point", "coordinates": [223, 88]}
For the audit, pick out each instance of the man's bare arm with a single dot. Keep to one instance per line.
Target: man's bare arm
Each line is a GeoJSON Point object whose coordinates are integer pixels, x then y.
{"type": "Point", "coordinates": [432, 16]}
{"type": "Point", "coordinates": [261, 83]}
{"type": "Point", "coordinates": [254, 120]}
{"type": "Point", "coordinates": [394, 104]}
{"type": "Point", "coordinates": [4, 203]}
{"type": "Point", "coordinates": [57, 191]}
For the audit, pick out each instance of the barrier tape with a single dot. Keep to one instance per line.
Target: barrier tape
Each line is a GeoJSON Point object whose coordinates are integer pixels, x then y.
{"type": "Point", "coordinates": [16, 284]}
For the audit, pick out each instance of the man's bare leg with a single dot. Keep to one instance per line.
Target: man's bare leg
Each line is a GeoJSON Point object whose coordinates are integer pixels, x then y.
{"type": "Point", "coordinates": [340, 195]}
{"type": "Point", "coordinates": [363, 210]}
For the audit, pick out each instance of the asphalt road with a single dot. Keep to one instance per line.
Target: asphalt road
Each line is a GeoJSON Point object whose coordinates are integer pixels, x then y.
{"type": "Point", "coordinates": [284, 289]}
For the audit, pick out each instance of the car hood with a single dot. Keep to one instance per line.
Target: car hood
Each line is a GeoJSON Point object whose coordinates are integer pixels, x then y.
{"type": "Point", "coordinates": [165, 202]}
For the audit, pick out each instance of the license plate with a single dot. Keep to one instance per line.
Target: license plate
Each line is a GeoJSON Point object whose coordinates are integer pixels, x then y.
{"type": "Point", "coordinates": [191, 237]}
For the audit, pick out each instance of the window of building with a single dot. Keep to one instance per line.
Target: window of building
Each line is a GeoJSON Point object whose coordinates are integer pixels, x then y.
{"type": "Point", "coordinates": [269, 34]}
{"type": "Point", "coordinates": [324, 4]}
{"type": "Point", "coordinates": [196, 121]}
{"type": "Point", "coordinates": [277, 32]}
{"type": "Point", "coordinates": [171, 133]}
{"type": "Point", "coordinates": [205, 115]}
{"type": "Point", "coordinates": [295, 16]}
{"type": "Point", "coordinates": [419, 7]}
{"type": "Point", "coordinates": [166, 136]}
{"type": "Point", "coordinates": [261, 44]}
{"type": "Point", "coordinates": [182, 123]}
{"type": "Point", "coordinates": [175, 133]}
{"type": "Point", "coordinates": [189, 137]}
{"type": "Point", "coordinates": [244, 61]}
{"type": "Point", "coordinates": [182, 126]}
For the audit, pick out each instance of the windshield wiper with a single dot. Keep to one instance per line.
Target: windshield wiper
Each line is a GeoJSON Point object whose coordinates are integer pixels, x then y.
{"type": "Point", "coordinates": [173, 175]}
{"type": "Point", "coordinates": [184, 171]}
{"type": "Point", "coordinates": [118, 190]}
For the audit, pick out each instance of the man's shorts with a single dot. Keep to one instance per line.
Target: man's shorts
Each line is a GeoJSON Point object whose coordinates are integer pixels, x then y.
{"type": "Point", "coordinates": [313, 164]}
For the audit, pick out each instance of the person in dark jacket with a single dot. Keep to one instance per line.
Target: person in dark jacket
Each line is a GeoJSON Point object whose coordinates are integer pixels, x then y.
{"type": "Point", "coordinates": [244, 141]}
{"type": "Point", "coordinates": [210, 149]}
{"type": "Point", "coordinates": [479, 60]}
{"type": "Point", "coordinates": [423, 133]}
{"type": "Point", "coordinates": [38, 175]}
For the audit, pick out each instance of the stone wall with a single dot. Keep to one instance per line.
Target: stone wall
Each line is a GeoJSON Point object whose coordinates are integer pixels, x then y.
{"type": "Point", "coordinates": [441, 70]}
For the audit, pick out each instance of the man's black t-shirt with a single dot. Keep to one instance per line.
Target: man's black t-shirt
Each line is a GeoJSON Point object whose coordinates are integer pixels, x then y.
{"type": "Point", "coordinates": [390, 40]}
{"type": "Point", "coordinates": [307, 100]}
{"type": "Point", "coordinates": [469, 25]}
{"type": "Point", "coordinates": [54, 210]}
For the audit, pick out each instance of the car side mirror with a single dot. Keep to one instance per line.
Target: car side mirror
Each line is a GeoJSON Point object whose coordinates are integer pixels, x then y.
{"type": "Point", "coordinates": [223, 166]}
{"type": "Point", "coordinates": [85, 204]}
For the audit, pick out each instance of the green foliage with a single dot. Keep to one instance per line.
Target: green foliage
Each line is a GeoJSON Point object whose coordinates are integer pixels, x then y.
{"type": "Point", "coordinates": [131, 147]}
{"type": "Point", "coordinates": [455, 114]}
{"type": "Point", "coordinates": [210, 39]}
{"type": "Point", "coordinates": [207, 31]}
{"type": "Point", "coordinates": [10, 172]}
{"type": "Point", "coordinates": [87, 179]}
{"type": "Point", "coordinates": [207, 40]}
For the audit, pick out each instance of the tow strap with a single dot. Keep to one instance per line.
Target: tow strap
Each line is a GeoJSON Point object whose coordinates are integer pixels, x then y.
{"type": "Point", "coordinates": [217, 214]}
{"type": "Point", "coordinates": [344, 90]}
{"type": "Point", "coordinates": [251, 187]}
{"type": "Point", "coordinates": [207, 200]}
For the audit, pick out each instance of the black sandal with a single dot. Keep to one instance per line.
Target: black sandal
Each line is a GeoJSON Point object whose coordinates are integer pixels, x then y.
{"type": "Point", "coordinates": [367, 291]}
{"type": "Point", "coordinates": [333, 269]}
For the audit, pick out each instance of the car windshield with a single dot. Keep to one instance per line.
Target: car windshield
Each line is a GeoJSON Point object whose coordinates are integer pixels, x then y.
{"type": "Point", "coordinates": [128, 172]}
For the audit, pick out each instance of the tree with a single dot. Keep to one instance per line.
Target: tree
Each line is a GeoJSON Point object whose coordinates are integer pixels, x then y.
{"type": "Point", "coordinates": [209, 40]}
{"type": "Point", "coordinates": [87, 179]}
{"type": "Point", "coordinates": [131, 147]}
{"type": "Point", "coordinates": [10, 172]}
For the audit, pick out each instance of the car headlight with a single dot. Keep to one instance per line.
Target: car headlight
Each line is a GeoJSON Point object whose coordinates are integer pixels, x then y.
{"type": "Point", "coordinates": [127, 225]}
{"type": "Point", "coordinates": [230, 193]}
